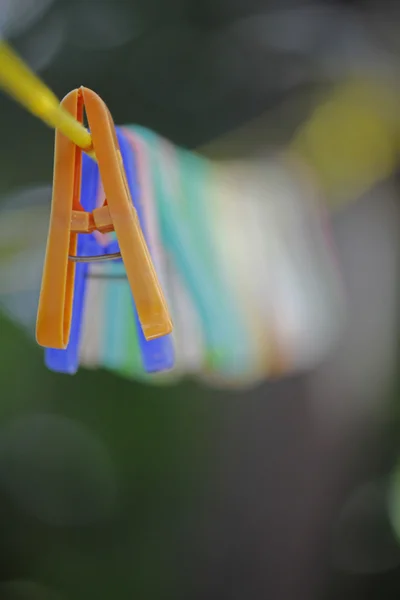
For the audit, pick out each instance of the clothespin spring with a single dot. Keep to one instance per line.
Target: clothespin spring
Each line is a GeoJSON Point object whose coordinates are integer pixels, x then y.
{"type": "Point", "coordinates": [100, 258]}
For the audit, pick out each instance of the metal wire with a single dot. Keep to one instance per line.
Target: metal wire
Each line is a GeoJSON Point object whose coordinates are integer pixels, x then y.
{"type": "Point", "coordinates": [100, 258]}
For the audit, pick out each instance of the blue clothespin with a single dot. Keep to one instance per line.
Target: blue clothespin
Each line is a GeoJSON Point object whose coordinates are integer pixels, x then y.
{"type": "Point", "coordinates": [158, 354]}
{"type": "Point", "coordinates": [67, 361]}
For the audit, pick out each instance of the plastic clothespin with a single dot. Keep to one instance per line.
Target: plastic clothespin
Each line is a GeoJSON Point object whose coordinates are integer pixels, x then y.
{"type": "Point", "coordinates": [157, 354]}
{"type": "Point", "coordinates": [67, 361]}
{"type": "Point", "coordinates": [68, 219]}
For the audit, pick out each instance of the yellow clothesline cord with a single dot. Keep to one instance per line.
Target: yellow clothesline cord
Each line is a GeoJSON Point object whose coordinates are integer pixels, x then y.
{"type": "Point", "coordinates": [19, 82]}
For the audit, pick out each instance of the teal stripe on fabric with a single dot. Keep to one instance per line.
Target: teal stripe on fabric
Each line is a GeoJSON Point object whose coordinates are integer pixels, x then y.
{"type": "Point", "coordinates": [131, 363]}
{"type": "Point", "coordinates": [114, 336]}
{"type": "Point", "coordinates": [195, 174]}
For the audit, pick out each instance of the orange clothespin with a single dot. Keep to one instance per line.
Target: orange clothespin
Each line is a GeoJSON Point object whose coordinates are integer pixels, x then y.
{"type": "Point", "coordinates": [68, 219]}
